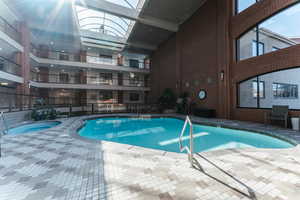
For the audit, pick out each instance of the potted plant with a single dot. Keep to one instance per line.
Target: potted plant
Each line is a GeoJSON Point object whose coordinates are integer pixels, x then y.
{"type": "Point", "coordinates": [183, 103]}
{"type": "Point", "coordinates": [167, 101]}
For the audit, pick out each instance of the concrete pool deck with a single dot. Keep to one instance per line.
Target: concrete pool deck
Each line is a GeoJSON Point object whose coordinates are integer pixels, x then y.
{"type": "Point", "coordinates": [53, 164]}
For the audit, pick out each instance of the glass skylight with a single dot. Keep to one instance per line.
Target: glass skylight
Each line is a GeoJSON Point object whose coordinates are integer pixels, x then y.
{"type": "Point", "coordinates": [126, 3]}
{"type": "Point", "coordinates": [104, 23]}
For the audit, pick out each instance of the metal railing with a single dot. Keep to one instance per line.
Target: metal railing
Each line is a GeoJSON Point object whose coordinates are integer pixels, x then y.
{"type": "Point", "coordinates": [10, 102]}
{"type": "Point", "coordinates": [3, 131]}
{"type": "Point", "coordinates": [5, 127]}
{"type": "Point", "coordinates": [9, 66]}
{"type": "Point", "coordinates": [10, 30]}
{"type": "Point", "coordinates": [76, 57]}
{"type": "Point", "coordinates": [190, 149]}
{"type": "Point", "coordinates": [89, 80]}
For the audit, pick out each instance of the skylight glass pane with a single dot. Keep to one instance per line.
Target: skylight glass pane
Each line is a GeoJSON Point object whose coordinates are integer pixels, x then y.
{"type": "Point", "coordinates": [126, 3]}
{"type": "Point", "coordinates": [101, 22]}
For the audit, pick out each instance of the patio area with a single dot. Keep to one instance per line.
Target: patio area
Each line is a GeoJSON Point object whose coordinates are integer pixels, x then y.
{"type": "Point", "coordinates": [57, 164]}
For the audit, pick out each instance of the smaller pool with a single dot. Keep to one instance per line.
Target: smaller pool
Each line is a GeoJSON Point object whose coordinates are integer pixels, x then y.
{"type": "Point", "coordinates": [27, 128]}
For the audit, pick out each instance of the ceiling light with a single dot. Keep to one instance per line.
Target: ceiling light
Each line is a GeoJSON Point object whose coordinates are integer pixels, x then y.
{"type": "Point", "coordinates": [4, 84]}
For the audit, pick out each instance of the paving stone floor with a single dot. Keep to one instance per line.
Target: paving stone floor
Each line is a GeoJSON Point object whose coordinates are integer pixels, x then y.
{"type": "Point", "coordinates": [57, 164]}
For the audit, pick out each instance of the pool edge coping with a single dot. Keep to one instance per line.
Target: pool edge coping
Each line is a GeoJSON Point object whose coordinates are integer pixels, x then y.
{"type": "Point", "coordinates": [194, 119]}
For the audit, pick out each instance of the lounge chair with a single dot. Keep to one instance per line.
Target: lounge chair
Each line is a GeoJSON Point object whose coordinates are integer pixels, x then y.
{"type": "Point", "coordinates": [278, 113]}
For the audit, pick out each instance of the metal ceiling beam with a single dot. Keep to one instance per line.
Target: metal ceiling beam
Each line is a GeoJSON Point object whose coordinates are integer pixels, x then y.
{"type": "Point", "coordinates": [93, 37]}
{"type": "Point", "coordinates": [129, 13]}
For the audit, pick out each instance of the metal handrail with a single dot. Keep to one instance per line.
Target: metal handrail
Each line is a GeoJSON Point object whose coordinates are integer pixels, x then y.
{"type": "Point", "coordinates": [190, 149]}
{"type": "Point", "coordinates": [4, 131]}
{"type": "Point", "coordinates": [4, 123]}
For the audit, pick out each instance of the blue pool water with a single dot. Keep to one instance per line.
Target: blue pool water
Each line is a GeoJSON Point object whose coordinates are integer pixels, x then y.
{"type": "Point", "coordinates": [27, 128]}
{"type": "Point", "coordinates": [162, 133]}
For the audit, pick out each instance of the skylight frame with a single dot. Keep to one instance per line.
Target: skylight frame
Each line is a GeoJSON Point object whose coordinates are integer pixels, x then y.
{"type": "Point", "coordinates": [106, 23]}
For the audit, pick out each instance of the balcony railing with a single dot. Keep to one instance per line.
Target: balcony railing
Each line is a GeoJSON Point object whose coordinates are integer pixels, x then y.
{"type": "Point", "coordinates": [10, 30]}
{"type": "Point", "coordinates": [10, 67]}
{"type": "Point", "coordinates": [19, 102]}
{"type": "Point", "coordinates": [133, 63]}
{"type": "Point", "coordinates": [88, 80]}
{"type": "Point", "coordinates": [65, 56]}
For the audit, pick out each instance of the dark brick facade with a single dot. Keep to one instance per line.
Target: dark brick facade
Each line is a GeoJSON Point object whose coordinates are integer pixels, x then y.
{"type": "Point", "coordinates": [204, 47]}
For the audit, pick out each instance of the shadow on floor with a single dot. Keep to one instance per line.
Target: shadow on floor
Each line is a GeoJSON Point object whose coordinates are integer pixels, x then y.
{"type": "Point", "coordinates": [251, 194]}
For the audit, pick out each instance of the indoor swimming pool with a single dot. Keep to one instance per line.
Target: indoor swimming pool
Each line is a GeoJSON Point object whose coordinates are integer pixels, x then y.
{"type": "Point", "coordinates": [163, 134]}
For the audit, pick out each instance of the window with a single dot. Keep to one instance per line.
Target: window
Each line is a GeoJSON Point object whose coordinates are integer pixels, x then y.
{"type": "Point", "coordinates": [106, 59]}
{"type": "Point", "coordinates": [261, 48]}
{"type": "Point", "coordinates": [2, 64]}
{"type": "Point", "coordinates": [261, 89]}
{"type": "Point", "coordinates": [106, 78]}
{"type": "Point", "coordinates": [243, 4]}
{"type": "Point", "coordinates": [134, 79]}
{"type": "Point", "coordinates": [283, 90]}
{"type": "Point", "coordinates": [63, 56]}
{"type": "Point", "coordinates": [277, 32]}
{"type": "Point", "coordinates": [275, 48]}
{"type": "Point", "coordinates": [64, 78]}
{"type": "Point", "coordinates": [134, 97]}
{"type": "Point", "coordinates": [134, 63]}
{"type": "Point", "coordinates": [105, 95]}
{"type": "Point", "coordinates": [93, 97]}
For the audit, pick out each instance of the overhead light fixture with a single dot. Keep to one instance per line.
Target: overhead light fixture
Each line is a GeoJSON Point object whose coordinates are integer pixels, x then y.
{"type": "Point", "coordinates": [52, 43]}
{"type": "Point", "coordinates": [3, 84]}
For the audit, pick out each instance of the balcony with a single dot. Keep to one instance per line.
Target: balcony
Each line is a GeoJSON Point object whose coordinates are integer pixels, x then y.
{"type": "Point", "coordinates": [10, 35]}
{"type": "Point", "coordinates": [10, 70]}
{"type": "Point", "coordinates": [80, 81]}
{"type": "Point", "coordinates": [90, 61]}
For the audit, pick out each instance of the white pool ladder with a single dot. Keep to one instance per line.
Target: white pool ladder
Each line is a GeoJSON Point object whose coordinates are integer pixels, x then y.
{"type": "Point", "coordinates": [190, 150]}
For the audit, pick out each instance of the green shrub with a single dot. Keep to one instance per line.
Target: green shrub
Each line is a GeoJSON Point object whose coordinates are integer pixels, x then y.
{"type": "Point", "coordinates": [39, 114]}
{"type": "Point", "coordinates": [167, 100]}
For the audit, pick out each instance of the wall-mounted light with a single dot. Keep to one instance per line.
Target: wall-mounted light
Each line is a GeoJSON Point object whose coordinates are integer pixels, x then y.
{"type": "Point", "coordinates": [222, 75]}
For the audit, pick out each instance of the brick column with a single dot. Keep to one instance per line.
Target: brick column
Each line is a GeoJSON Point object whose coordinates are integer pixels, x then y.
{"type": "Point", "coordinates": [23, 59]}
{"type": "Point", "coordinates": [83, 56]}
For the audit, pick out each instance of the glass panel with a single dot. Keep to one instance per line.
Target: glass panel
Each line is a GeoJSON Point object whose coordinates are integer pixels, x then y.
{"type": "Point", "coordinates": [275, 89]}
{"type": "Point", "coordinates": [261, 89]}
{"type": "Point", "coordinates": [248, 93]}
{"type": "Point", "coordinates": [101, 22]}
{"type": "Point", "coordinates": [243, 4]}
{"type": "Point", "coordinates": [126, 3]}
{"type": "Point", "coordinates": [277, 32]}
{"type": "Point", "coordinates": [246, 45]}
{"type": "Point", "coordinates": [134, 97]}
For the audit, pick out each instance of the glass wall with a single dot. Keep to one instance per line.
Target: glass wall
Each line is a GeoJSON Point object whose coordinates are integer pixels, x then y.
{"type": "Point", "coordinates": [274, 89]}
{"type": "Point", "coordinates": [277, 32]}
{"type": "Point", "coordinates": [243, 4]}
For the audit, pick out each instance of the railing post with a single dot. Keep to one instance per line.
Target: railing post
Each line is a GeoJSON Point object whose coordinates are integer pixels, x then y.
{"type": "Point", "coordinates": [92, 108]}
{"type": "Point", "coordinates": [191, 144]}
{"type": "Point", "coordinates": [9, 108]}
{"type": "Point", "coordinates": [70, 110]}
